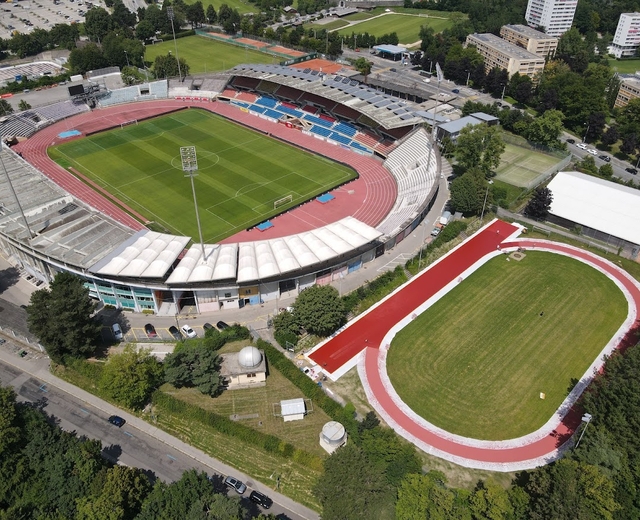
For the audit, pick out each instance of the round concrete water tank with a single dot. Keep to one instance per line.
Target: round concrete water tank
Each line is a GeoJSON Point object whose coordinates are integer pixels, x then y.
{"type": "Point", "coordinates": [249, 357]}
{"type": "Point", "coordinates": [333, 433]}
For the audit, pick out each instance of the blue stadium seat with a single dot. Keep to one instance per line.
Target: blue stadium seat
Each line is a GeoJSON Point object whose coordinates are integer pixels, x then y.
{"type": "Point", "coordinates": [324, 132]}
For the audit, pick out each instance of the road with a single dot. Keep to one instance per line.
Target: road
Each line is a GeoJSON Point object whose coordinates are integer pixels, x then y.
{"type": "Point", "coordinates": [128, 445]}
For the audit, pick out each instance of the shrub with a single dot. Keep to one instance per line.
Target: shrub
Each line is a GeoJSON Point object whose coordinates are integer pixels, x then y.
{"type": "Point", "coordinates": [235, 332]}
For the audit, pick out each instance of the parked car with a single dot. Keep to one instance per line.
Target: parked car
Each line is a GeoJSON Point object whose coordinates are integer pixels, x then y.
{"type": "Point", "coordinates": [222, 325]}
{"type": "Point", "coordinates": [117, 421]}
{"type": "Point", "coordinates": [571, 141]}
{"type": "Point", "coordinates": [117, 332]}
{"type": "Point", "coordinates": [188, 331]}
{"type": "Point", "coordinates": [582, 146]}
{"type": "Point", "coordinates": [605, 158]}
{"type": "Point", "coordinates": [173, 330]}
{"type": "Point", "coordinates": [435, 231]}
{"type": "Point", "coordinates": [150, 330]}
{"type": "Point", "coordinates": [632, 171]}
{"type": "Point", "coordinates": [456, 91]}
{"type": "Point", "coordinates": [207, 326]}
{"type": "Point", "coordinates": [236, 484]}
{"type": "Point", "coordinates": [592, 152]}
{"type": "Point", "coordinates": [261, 499]}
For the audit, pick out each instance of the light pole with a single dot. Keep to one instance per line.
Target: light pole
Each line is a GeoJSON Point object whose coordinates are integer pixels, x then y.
{"type": "Point", "coordinates": [126, 55]}
{"type": "Point", "coordinates": [146, 74]}
{"type": "Point", "coordinates": [13, 191]}
{"type": "Point", "coordinates": [586, 418]}
{"type": "Point", "coordinates": [504, 87]}
{"type": "Point", "coordinates": [468, 76]}
{"type": "Point", "coordinates": [486, 194]}
{"type": "Point", "coordinates": [585, 134]}
{"type": "Point", "coordinates": [171, 16]}
{"type": "Point", "coordinates": [190, 167]}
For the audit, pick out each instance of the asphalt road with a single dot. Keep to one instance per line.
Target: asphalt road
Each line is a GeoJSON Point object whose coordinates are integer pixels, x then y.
{"type": "Point", "coordinates": [126, 445]}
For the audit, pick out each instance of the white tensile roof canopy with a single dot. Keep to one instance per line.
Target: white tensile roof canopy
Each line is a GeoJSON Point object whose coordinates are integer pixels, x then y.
{"type": "Point", "coordinates": [596, 203]}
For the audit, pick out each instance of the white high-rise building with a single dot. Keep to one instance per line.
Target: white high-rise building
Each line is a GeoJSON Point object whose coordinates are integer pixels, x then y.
{"type": "Point", "coordinates": [555, 16]}
{"type": "Point", "coordinates": [627, 37]}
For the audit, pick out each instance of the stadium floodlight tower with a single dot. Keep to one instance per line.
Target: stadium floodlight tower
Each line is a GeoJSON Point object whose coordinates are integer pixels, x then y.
{"type": "Point", "coordinates": [171, 16]}
{"type": "Point", "coordinates": [190, 166]}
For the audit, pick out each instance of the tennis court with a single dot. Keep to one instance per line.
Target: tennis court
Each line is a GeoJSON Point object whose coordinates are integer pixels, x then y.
{"type": "Point", "coordinates": [520, 166]}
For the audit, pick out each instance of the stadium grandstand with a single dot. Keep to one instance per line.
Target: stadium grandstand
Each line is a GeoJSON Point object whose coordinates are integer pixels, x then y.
{"type": "Point", "coordinates": [70, 226]}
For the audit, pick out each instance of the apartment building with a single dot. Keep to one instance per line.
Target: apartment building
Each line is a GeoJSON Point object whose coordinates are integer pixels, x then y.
{"type": "Point", "coordinates": [629, 89]}
{"type": "Point", "coordinates": [627, 38]}
{"type": "Point", "coordinates": [505, 55]}
{"type": "Point", "coordinates": [534, 41]}
{"type": "Point", "coordinates": [555, 16]}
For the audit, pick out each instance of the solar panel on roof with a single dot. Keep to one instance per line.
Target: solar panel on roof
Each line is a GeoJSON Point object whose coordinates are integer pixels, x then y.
{"type": "Point", "coordinates": [406, 115]}
{"type": "Point", "coordinates": [382, 103]}
{"type": "Point", "coordinates": [375, 99]}
{"type": "Point", "coordinates": [337, 79]}
{"type": "Point", "coordinates": [345, 80]}
{"type": "Point", "coordinates": [399, 111]}
{"type": "Point", "coordinates": [306, 71]}
{"type": "Point", "coordinates": [314, 72]}
{"type": "Point", "coordinates": [354, 83]}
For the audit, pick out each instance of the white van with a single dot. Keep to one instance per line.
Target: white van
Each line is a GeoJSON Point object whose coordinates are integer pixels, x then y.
{"type": "Point", "coordinates": [117, 332]}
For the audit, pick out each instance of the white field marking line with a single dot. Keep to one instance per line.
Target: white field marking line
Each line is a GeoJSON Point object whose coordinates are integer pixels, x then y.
{"type": "Point", "coordinates": [120, 194]}
{"type": "Point", "coordinates": [257, 185]}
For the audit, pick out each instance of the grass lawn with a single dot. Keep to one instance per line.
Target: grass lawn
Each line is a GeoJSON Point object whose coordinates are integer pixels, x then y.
{"type": "Point", "coordinates": [624, 66]}
{"type": "Point", "coordinates": [243, 6]}
{"type": "Point", "coordinates": [484, 352]}
{"type": "Point", "coordinates": [206, 55]}
{"type": "Point", "coordinates": [407, 26]}
{"type": "Point", "coordinates": [241, 172]}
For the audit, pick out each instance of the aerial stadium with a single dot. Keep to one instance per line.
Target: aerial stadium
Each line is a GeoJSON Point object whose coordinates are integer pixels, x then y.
{"type": "Point", "coordinates": [302, 178]}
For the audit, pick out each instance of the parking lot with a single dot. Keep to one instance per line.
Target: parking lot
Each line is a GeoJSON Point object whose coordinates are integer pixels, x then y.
{"type": "Point", "coordinates": [26, 15]}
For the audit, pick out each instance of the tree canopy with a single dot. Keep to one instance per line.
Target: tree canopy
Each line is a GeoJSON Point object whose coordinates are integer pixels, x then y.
{"type": "Point", "coordinates": [319, 310]}
{"type": "Point", "coordinates": [539, 204]}
{"type": "Point", "coordinates": [62, 318]}
{"type": "Point", "coordinates": [194, 365]}
{"type": "Point", "coordinates": [479, 147]}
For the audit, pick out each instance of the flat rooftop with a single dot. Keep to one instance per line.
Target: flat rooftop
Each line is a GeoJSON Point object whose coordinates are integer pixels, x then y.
{"type": "Point", "coordinates": [509, 49]}
{"type": "Point", "coordinates": [530, 32]}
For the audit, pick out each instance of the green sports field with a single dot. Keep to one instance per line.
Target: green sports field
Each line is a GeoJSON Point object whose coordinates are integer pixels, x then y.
{"type": "Point", "coordinates": [241, 173]}
{"type": "Point", "coordinates": [476, 362]}
{"type": "Point", "coordinates": [407, 26]}
{"type": "Point", "coordinates": [519, 166]}
{"type": "Point", "coordinates": [207, 55]}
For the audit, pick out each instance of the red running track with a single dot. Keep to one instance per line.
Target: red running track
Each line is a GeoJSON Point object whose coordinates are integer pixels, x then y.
{"type": "Point", "coordinates": [508, 456]}
{"type": "Point", "coordinates": [369, 198]}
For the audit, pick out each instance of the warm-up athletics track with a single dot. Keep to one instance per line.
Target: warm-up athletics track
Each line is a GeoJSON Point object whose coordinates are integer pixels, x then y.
{"type": "Point", "coordinates": [365, 342]}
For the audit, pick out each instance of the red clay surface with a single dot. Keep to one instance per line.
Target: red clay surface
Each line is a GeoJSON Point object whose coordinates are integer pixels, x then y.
{"type": "Point", "coordinates": [330, 67]}
{"type": "Point", "coordinates": [375, 325]}
{"type": "Point", "coordinates": [369, 198]}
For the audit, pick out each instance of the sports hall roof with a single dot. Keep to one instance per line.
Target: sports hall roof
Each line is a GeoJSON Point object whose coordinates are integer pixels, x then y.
{"type": "Point", "coordinates": [218, 263]}
{"type": "Point", "coordinates": [147, 254]}
{"type": "Point", "coordinates": [385, 110]}
{"type": "Point", "coordinates": [599, 204]}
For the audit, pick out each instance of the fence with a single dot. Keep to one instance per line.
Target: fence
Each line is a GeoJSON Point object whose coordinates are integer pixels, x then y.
{"type": "Point", "coordinates": [21, 339]}
{"type": "Point", "coordinates": [549, 172]}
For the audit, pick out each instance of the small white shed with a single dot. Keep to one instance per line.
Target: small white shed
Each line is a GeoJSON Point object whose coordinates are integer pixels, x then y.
{"type": "Point", "coordinates": [293, 409]}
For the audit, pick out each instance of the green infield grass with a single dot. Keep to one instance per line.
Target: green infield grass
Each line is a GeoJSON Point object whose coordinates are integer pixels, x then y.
{"type": "Point", "coordinates": [407, 26]}
{"type": "Point", "coordinates": [243, 6]}
{"type": "Point", "coordinates": [206, 55]}
{"type": "Point", "coordinates": [624, 66]}
{"type": "Point", "coordinates": [476, 362]}
{"type": "Point", "coordinates": [241, 173]}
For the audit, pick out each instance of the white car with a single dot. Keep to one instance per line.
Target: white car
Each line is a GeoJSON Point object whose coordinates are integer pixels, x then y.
{"type": "Point", "coordinates": [582, 146]}
{"type": "Point", "coordinates": [188, 331]}
{"type": "Point", "coordinates": [592, 152]}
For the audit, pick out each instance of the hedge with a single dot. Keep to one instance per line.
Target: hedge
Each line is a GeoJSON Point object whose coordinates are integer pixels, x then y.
{"type": "Point", "coordinates": [224, 425]}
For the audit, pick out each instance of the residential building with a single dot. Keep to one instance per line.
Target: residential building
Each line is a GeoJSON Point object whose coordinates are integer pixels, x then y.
{"type": "Point", "coordinates": [629, 89]}
{"type": "Point", "coordinates": [554, 16]}
{"type": "Point", "coordinates": [505, 55]}
{"type": "Point", "coordinates": [534, 41]}
{"type": "Point", "coordinates": [627, 38]}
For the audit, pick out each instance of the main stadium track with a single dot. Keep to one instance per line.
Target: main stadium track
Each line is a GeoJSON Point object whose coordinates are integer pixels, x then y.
{"type": "Point", "coordinates": [369, 198]}
{"type": "Point", "coordinates": [365, 342]}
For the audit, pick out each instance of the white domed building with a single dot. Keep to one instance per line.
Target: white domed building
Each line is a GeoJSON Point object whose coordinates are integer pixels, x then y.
{"type": "Point", "coordinates": [244, 369]}
{"type": "Point", "coordinates": [332, 436]}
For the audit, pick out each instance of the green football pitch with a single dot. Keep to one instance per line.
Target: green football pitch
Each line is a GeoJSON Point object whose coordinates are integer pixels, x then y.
{"type": "Point", "coordinates": [241, 173]}
{"type": "Point", "coordinates": [476, 362]}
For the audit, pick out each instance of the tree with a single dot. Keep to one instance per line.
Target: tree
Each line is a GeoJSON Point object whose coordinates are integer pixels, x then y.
{"type": "Point", "coordinates": [539, 204]}
{"type": "Point", "coordinates": [131, 377]}
{"type": "Point", "coordinates": [426, 496]}
{"type": "Point", "coordinates": [145, 30]}
{"type": "Point", "coordinates": [23, 105]}
{"type": "Point", "coordinates": [480, 147]}
{"type": "Point", "coordinates": [121, 16]}
{"type": "Point", "coordinates": [167, 67]}
{"type": "Point", "coordinates": [211, 14]}
{"type": "Point", "coordinates": [62, 318]}
{"type": "Point", "coordinates": [5, 107]}
{"type": "Point", "coordinates": [86, 58]}
{"type": "Point", "coordinates": [351, 487]}
{"type": "Point", "coordinates": [194, 366]}
{"type": "Point", "coordinates": [363, 66]}
{"type": "Point", "coordinates": [468, 192]}
{"type": "Point", "coordinates": [319, 310]}
{"type": "Point", "coordinates": [9, 429]}
{"type": "Point", "coordinates": [629, 144]}
{"type": "Point", "coordinates": [610, 136]}
{"type": "Point", "coordinates": [606, 171]}
{"type": "Point", "coordinates": [546, 129]}
{"type": "Point", "coordinates": [491, 501]}
{"type": "Point", "coordinates": [574, 51]}
{"type": "Point", "coordinates": [496, 81]}
{"type": "Point", "coordinates": [97, 23]}
{"type": "Point", "coordinates": [195, 14]}
{"type": "Point", "coordinates": [64, 35]}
